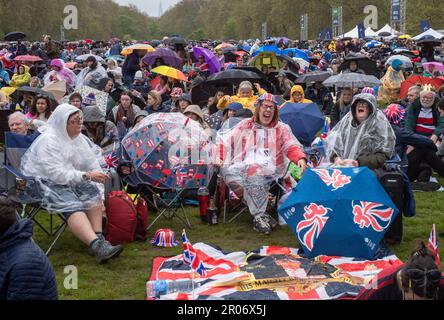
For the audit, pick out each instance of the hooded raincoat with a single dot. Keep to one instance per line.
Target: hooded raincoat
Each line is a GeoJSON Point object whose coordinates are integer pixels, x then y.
{"type": "Point", "coordinates": [58, 162]}
{"type": "Point", "coordinates": [371, 143]}
{"type": "Point", "coordinates": [4, 76]}
{"type": "Point", "coordinates": [63, 74]}
{"type": "Point", "coordinates": [298, 88]}
{"type": "Point", "coordinates": [253, 156]}
{"type": "Point", "coordinates": [248, 103]}
{"type": "Point", "coordinates": [19, 80]}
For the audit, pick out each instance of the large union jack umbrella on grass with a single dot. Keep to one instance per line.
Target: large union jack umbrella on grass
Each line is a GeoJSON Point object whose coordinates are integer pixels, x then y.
{"type": "Point", "coordinates": [339, 212]}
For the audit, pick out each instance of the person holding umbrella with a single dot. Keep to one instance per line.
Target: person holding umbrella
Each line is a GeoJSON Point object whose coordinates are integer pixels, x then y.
{"type": "Point", "coordinates": [353, 67]}
{"type": "Point", "coordinates": [249, 164]}
{"type": "Point", "coordinates": [363, 138]}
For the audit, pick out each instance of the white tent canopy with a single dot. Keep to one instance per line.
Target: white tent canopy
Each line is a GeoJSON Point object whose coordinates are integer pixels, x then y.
{"type": "Point", "coordinates": [354, 33]}
{"type": "Point", "coordinates": [430, 32]}
{"type": "Point", "coordinates": [388, 29]}
{"type": "Point", "coordinates": [351, 34]}
{"type": "Point", "coordinates": [370, 33]}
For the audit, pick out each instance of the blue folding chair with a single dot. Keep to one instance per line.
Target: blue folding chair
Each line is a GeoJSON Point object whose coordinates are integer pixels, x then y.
{"type": "Point", "coordinates": [15, 147]}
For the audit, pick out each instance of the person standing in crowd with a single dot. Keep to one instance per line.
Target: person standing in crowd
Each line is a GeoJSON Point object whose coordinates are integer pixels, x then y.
{"type": "Point", "coordinates": [130, 67]}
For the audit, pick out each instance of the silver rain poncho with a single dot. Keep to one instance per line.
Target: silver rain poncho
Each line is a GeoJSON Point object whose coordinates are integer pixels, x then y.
{"type": "Point", "coordinates": [350, 140]}
{"type": "Point", "coordinates": [57, 164]}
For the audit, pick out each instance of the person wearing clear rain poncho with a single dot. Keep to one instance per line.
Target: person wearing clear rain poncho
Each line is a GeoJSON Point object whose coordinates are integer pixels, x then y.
{"type": "Point", "coordinates": [363, 137]}
{"type": "Point", "coordinates": [68, 179]}
{"type": "Point", "coordinates": [254, 154]}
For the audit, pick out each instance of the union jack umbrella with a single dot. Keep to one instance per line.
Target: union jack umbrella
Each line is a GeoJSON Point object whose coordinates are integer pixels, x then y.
{"type": "Point", "coordinates": [348, 214]}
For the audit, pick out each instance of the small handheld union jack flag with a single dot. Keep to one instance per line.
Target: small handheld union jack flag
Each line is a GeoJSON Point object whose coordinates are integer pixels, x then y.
{"type": "Point", "coordinates": [433, 246]}
{"type": "Point", "coordinates": [191, 258]}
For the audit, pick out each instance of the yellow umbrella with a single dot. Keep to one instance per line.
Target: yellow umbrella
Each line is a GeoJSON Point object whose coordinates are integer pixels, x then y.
{"type": "Point", "coordinates": [140, 46]}
{"type": "Point", "coordinates": [170, 72]}
{"type": "Point", "coordinates": [8, 91]}
{"type": "Point", "coordinates": [405, 36]}
{"type": "Point", "coordinates": [223, 46]}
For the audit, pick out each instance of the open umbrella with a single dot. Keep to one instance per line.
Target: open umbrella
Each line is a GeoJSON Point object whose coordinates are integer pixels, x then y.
{"type": "Point", "coordinates": [224, 46]}
{"type": "Point", "coordinates": [15, 36]}
{"type": "Point", "coordinates": [297, 53]}
{"type": "Point", "coordinates": [177, 41]}
{"type": "Point", "coordinates": [17, 95]}
{"type": "Point", "coordinates": [315, 76]}
{"type": "Point", "coordinates": [271, 48]}
{"type": "Point", "coordinates": [170, 72]}
{"type": "Point", "coordinates": [429, 40]}
{"type": "Point", "coordinates": [168, 56]}
{"type": "Point", "coordinates": [210, 58]}
{"type": "Point", "coordinates": [305, 120]}
{"type": "Point", "coordinates": [342, 218]}
{"type": "Point", "coordinates": [302, 63]}
{"type": "Point", "coordinates": [436, 65]}
{"type": "Point", "coordinates": [419, 81]}
{"type": "Point", "coordinates": [170, 151]}
{"type": "Point", "coordinates": [267, 59]}
{"type": "Point", "coordinates": [83, 58]}
{"type": "Point", "coordinates": [373, 44]}
{"type": "Point", "coordinates": [405, 36]}
{"type": "Point", "coordinates": [28, 58]}
{"type": "Point", "coordinates": [354, 80]}
{"type": "Point", "coordinates": [406, 62]}
{"type": "Point", "coordinates": [143, 47]}
{"type": "Point", "coordinates": [384, 34]}
{"type": "Point", "coordinates": [364, 63]}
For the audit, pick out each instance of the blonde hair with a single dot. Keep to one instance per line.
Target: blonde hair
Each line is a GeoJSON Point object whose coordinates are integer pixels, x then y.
{"type": "Point", "coordinates": [156, 96]}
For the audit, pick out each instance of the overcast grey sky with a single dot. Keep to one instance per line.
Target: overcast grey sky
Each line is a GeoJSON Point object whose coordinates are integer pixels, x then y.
{"type": "Point", "coordinates": [149, 6]}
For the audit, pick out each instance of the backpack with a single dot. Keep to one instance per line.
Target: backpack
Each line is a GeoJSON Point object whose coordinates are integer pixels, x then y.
{"type": "Point", "coordinates": [127, 220]}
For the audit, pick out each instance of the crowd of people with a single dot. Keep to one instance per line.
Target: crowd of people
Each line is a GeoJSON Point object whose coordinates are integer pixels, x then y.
{"type": "Point", "coordinates": [369, 126]}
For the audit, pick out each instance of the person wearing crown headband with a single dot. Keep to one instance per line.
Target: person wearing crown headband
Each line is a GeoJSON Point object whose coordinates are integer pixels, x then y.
{"type": "Point", "coordinates": [424, 118]}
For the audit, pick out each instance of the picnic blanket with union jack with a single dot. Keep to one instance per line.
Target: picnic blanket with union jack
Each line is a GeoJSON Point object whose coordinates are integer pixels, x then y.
{"type": "Point", "coordinates": [271, 273]}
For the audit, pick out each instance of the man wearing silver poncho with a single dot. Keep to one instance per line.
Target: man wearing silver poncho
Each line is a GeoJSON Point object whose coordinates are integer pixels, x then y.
{"type": "Point", "coordinates": [69, 178]}
{"type": "Point", "coordinates": [363, 138]}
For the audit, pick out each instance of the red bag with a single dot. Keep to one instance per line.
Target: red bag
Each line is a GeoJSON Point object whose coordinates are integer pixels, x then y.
{"type": "Point", "coordinates": [127, 222]}
{"type": "Point", "coordinates": [142, 219]}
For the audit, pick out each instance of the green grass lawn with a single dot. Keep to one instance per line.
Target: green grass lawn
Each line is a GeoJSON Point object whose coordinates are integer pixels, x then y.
{"type": "Point", "coordinates": [124, 278]}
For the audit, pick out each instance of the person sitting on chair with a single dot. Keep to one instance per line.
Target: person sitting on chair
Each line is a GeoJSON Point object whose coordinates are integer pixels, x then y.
{"type": "Point", "coordinates": [363, 138]}
{"type": "Point", "coordinates": [25, 272]}
{"type": "Point", "coordinates": [19, 124]}
{"type": "Point", "coordinates": [68, 174]}
{"type": "Point", "coordinates": [254, 154]}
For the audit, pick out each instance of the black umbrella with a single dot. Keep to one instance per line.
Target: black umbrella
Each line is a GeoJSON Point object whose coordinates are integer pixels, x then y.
{"type": "Point", "coordinates": [290, 75]}
{"type": "Point", "coordinates": [293, 65]}
{"type": "Point", "coordinates": [315, 76]}
{"type": "Point", "coordinates": [155, 43]}
{"type": "Point", "coordinates": [177, 40]}
{"type": "Point", "coordinates": [236, 76]}
{"type": "Point", "coordinates": [15, 36]}
{"type": "Point", "coordinates": [429, 40]}
{"type": "Point", "coordinates": [384, 34]}
{"type": "Point", "coordinates": [17, 96]}
{"type": "Point", "coordinates": [364, 63]}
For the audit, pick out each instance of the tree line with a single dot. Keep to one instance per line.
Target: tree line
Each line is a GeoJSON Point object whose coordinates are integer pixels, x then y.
{"type": "Point", "coordinates": [199, 19]}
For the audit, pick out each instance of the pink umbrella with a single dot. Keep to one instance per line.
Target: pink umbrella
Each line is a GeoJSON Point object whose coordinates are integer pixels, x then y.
{"type": "Point", "coordinates": [437, 66]}
{"type": "Point", "coordinates": [28, 58]}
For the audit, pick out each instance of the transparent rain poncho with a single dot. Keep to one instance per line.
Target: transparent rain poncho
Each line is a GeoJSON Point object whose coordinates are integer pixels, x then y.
{"type": "Point", "coordinates": [56, 163]}
{"type": "Point", "coordinates": [253, 157]}
{"type": "Point", "coordinates": [349, 140]}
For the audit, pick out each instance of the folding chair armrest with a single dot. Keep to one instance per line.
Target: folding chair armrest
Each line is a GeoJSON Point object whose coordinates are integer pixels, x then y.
{"type": "Point", "coordinates": [16, 173]}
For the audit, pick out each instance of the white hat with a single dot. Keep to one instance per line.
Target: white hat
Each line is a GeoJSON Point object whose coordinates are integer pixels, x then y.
{"type": "Point", "coordinates": [138, 75]}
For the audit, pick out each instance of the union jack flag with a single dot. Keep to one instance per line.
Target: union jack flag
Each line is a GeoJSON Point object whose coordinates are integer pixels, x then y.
{"type": "Point", "coordinates": [372, 214]}
{"type": "Point", "coordinates": [308, 230]}
{"type": "Point", "coordinates": [433, 246]}
{"type": "Point", "coordinates": [111, 160]}
{"type": "Point", "coordinates": [395, 113]}
{"type": "Point", "coordinates": [325, 129]}
{"type": "Point", "coordinates": [336, 179]}
{"type": "Point", "coordinates": [191, 258]}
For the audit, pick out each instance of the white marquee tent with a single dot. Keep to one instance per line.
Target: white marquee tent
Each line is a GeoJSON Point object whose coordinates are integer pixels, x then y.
{"type": "Point", "coordinates": [430, 32]}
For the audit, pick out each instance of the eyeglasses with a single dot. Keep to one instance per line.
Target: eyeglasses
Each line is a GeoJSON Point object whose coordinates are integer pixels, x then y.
{"type": "Point", "coordinates": [267, 107]}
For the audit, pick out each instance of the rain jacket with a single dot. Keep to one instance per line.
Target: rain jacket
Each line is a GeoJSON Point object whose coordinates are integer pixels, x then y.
{"type": "Point", "coordinates": [89, 77]}
{"type": "Point", "coordinates": [298, 88]}
{"type": "Point", "coordinates": [371, 142]}
{"type": "Point", "coordinates": [55, 159]}
{"type": "Point", "coordinates": [247, 103]}
{"type": "Point", "coordinates": [4, 76]}
{"type": "Point", "coordinates": [391, 84]}
{"type": "Point", "coordinates": [413, 113]}
{"type": "Point", "coordinates": [21, 79]}
{"type": "Point", "coordinates": [25, 271]}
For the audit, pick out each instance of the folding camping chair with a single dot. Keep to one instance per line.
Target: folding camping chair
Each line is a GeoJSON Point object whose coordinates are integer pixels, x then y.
{"type": "Point", "coordinates": [170, 207]}
{"type": "Point", "coordinates": [277, 189]}
{"type": "Point", "coordinates": [15, 147]}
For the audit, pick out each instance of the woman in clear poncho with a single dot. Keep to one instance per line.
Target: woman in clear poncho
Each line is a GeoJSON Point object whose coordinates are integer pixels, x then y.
{"type": "Point", "coordinates": [68, 178]}
{"type": "Point", "coordinates": [254, 154]}
{"type": "Point", "coordinates": [363, 137]}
